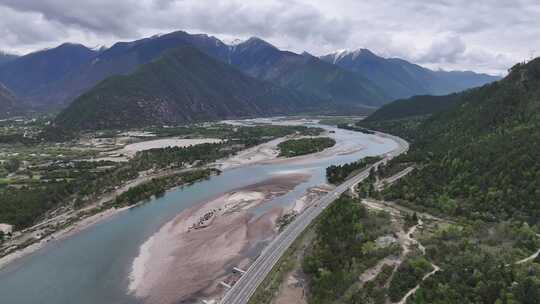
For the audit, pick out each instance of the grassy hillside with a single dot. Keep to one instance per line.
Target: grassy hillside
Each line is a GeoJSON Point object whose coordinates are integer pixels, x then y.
{"type": "Point", "coordinates": [184, 85]}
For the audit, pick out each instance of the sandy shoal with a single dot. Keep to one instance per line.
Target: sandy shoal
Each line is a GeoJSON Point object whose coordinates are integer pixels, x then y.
{"type": "Point", "coordinates": [179, 261]}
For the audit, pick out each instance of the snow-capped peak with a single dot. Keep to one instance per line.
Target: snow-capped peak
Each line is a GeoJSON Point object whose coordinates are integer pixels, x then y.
{"type": "Point", "coordinates": [232, 42]}
{"type": "Point", "coordinates": [339, 54]}
{"type": "Point", "coordinates": [99, 48]}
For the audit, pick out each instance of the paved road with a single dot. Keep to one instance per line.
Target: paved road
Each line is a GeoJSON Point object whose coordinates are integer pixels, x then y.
{"type": "Point", "coordinates": [248, 283]}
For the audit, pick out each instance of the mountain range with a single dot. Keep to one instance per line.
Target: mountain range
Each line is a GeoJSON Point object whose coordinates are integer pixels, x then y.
{"type": "Point", "coordinates": [31, 78]}
{"type": "Point", "coordinates": [183, 85]}
{"type": "Point", "coordinates": [402, 79]}
{"type": "Point", "coordinates": [52, 79]}
{"type": "Point", "coordinates": [55, 77]}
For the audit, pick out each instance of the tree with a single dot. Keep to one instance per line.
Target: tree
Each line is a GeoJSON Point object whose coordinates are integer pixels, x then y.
{"type": "Point", "coordinates": [12, 165]}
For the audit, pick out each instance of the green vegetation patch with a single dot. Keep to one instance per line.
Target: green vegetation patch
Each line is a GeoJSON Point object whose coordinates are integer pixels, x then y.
{"type": "Point", "coordinates": [417, 106]}
{"type": "Point", "coordinates": [303, 146]}
{"type": "Point", "coordinates": [338, 174]}
{"type": "Point", "coordinates": [158, 186]}
{"type": "Point", "coordinates": [407, 276]}
{"type": "Point", "coordinates": [343, 249]}
{"type": "Point", "coordinates": [478, 264]}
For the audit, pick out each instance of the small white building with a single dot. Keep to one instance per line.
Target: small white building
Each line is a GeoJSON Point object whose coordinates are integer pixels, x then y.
{"type": "Point", "coordinates": [6, 228]}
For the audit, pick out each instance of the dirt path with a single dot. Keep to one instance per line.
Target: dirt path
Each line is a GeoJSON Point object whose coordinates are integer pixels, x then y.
{"type": "Point", "coordinates": [530, 258]}
{"type": "Point", "coordinates": [407, 242]}
{"type": "Point", "coordinates": [372, 272]}
{"type": "Point", "coordinates": [413, 291]}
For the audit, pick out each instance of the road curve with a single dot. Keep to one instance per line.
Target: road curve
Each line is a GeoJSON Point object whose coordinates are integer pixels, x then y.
{"type": "Point", "coordinates": [245, 287]}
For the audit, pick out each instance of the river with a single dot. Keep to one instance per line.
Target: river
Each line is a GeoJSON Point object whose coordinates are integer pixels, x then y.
{"type": "Point", "coordinates": [93, 266]}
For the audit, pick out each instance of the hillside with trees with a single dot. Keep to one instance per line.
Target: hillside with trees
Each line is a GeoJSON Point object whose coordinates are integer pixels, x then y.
{"type": "Point", "coordinates": [417, 106]}
{"type": "Point", "coordinates": [479, 158]}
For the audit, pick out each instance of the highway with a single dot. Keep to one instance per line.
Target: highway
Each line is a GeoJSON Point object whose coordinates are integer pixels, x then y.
{"type": "Point", "coordinates": [246, 286]}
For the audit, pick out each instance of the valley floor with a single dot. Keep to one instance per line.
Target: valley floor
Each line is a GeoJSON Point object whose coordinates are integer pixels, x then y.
{"type": "Point", "coordinates": [67, 220]}
{"type": "Point", "coordinates": [199, 229]}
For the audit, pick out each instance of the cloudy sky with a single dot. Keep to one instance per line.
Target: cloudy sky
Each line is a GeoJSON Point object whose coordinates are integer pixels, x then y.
{"type": "Point", "coordinates": [480, 35]}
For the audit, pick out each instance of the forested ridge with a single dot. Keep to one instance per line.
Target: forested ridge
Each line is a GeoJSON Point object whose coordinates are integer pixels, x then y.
{"type": "Point", "coordinates": [423, 105]}
{"type": "Point", "coordinates": [478, 164]}
{"type": "Point", "coordinates": [480, 159]}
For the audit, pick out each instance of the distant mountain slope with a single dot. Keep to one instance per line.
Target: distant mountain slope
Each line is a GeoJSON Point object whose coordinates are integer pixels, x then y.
{"type": "Point", "coordinates": [420, 105]}
{"type": "Point", "coordinates": [184, 85]}
{"type": "Point", "coordinates": [305, 73]}
{"type": "Point", "coordinates": [402, 79]}
{"type": "Point", "coordinates": [5, 58]}
{"type": "Point", "coordinates": [8, 103]}
{"type": "Point", "coordinates": [480, 157]}
{"type": "Point", "coordinates": [31, 77]}
{"type": "Point", "coordinates": [55, 77]}
{"type": "Point", "coordinates": [124, 57]}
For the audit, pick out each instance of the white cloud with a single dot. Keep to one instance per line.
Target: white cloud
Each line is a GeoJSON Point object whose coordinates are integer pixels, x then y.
{"type": "Point", "coordinates": [483, 35]}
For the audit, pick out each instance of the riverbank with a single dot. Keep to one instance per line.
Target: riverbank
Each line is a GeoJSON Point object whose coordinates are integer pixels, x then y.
{"type": "Point", "coordinates": [190, 253]}
{"type": "Point", "coordinates": [80, 220]}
